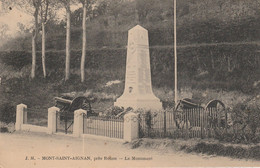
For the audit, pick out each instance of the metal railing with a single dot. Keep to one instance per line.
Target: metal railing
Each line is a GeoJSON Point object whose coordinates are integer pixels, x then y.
{"type": "Point", "coordinates": [108, 126]}
{"type": "Point", "coordinates": [189, 123]}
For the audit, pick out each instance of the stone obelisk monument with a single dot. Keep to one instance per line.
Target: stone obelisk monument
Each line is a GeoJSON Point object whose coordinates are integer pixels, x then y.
{"type": "Point", "coordinates": [138, 86]}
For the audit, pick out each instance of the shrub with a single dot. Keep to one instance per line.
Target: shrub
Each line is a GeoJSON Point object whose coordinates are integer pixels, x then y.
{"type": "Point", "coordinates": [16, 59]}
{"type": "Point", "coordinates": [3, 129]}
{"type": "Point", "coordinates": [7, 113]}
{"type": "Point", "coordinates": [246, 125]}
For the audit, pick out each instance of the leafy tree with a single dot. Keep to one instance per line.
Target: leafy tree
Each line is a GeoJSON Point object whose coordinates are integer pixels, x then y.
{"type": "Point", "coordinates": [76, 18]}
{"type": "Point", "coordinates": [101, 8]}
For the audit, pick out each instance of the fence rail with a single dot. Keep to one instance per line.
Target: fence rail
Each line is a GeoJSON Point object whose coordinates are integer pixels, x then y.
{"type": "Point", "coordinates": [104, 126]}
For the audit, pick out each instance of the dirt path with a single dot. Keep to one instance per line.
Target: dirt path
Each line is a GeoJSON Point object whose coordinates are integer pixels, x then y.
{"type": "Point", "coordinates": [16, 147]}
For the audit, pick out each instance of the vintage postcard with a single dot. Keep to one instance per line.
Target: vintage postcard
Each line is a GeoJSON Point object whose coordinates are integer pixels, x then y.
{"type": "Point", "coordinates": [129, 83]}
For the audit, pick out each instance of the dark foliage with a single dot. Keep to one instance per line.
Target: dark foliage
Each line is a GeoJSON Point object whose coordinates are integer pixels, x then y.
{"type": "Point", "coordinates": [16, 59]}
{"type": "Point", "coordinates": [229, 67]}
{"type": "Point", "coordinates": [244, 125]}
{"type": "Point", "coordinates": [7, 113]}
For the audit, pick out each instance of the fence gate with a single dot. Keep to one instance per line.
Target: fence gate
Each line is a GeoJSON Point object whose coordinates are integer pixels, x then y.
{"type": "Point", "coordinates": [156, 125]}
{"type": "Point", "coordinates": [65, 122]}
{"type": "Point", "coordinates": [108, 126]}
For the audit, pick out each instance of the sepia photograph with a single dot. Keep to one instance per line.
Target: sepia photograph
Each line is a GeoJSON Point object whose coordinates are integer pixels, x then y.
{"type": "Point", "coordinates": [129, 83]}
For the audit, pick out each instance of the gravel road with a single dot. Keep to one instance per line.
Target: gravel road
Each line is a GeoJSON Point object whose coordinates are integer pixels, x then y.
{"type": "Point", "coordinates": [26, 150]}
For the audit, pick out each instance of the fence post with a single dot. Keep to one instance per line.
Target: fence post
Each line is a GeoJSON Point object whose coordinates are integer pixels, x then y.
{"type": "Point", "coordinates": [21, 116]}
{"type": "Point", "coordinates": [78, 122]}
{"type": "Point", "coordinates": [201, 113]}
{"type": "Point", "coordinates": [131, 127]}
{"type": "Point", "coordinates": [52, 121]}
{"type": "Point", "coordinates": [164, 124]}
{"type": "Point", "coordinates": [226, 118]}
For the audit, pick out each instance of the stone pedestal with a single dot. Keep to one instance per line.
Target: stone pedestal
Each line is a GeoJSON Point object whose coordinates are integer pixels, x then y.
{"type": "Point", "coordinates": [131, 127]}
{"type": "Point", "coordinates": [138, 87]}
{"type": "Point", "coordinates": [52, 119]}
{"type": "Point", "coordinates": [21, 116]}
{"type": "Point", "coordinates": [78, 122]}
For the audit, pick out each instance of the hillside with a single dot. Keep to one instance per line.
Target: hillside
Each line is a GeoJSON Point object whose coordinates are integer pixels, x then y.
{"type": "Point", "coordinates": [208, 21]}
{"type": "Point", "coordinates": [218, 42]}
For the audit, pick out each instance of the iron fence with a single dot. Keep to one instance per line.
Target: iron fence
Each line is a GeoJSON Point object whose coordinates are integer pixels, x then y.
{"type": "Point", "coordinates": [108, 126]}
{"type": "Point", "coordinates": [188, 123]}
{"type": "Point", "coordinates": [156, 125]}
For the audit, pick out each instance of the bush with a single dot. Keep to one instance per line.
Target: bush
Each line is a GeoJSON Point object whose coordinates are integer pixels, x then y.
{"type": "Point", "coordinates": [7, 113]}
{"type": "Point", "coordinates": [3, 129]}
{"type": "Point", "coordinates": [16, 59]}
{"type": "Point", "coordinates": [245, 127]}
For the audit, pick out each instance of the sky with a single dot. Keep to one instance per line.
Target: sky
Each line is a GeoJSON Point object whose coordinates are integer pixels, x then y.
{"type": "Point", "coordinates": [14, 16]}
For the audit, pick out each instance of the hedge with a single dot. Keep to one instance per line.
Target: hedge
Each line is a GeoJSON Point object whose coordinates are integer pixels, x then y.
{"type": "Point", "coordinates": [223, 66]}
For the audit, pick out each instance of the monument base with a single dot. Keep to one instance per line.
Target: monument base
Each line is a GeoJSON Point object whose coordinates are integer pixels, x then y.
{"type": "Point", "coordinates": [137, 103]}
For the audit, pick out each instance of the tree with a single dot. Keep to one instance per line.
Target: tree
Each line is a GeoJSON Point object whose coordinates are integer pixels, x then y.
{"type": "Point", "coordinates": [66, 4]}
{"type": "Point", "coordinates": [36, 4]}
{"type": "Point", "coordinates": [76, 18]}
{"type": "Point", "coordinates": [44, 15]}
{"type": "Point", "coordinates": [101, 8]}
{"type": "Point", "coordinates": [84, 43]}
{"type": "Point", "coordinates": [85, 5]}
